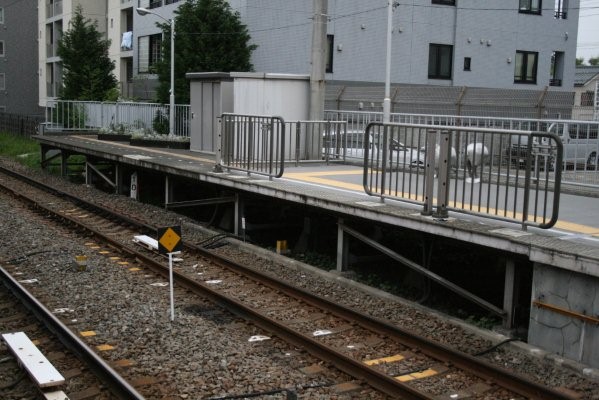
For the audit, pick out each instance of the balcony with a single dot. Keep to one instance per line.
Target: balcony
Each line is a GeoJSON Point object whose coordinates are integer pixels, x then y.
{"type": "Point", "coordinates": [555, 82]}
{"type": "Point", "coordinates": [53, 9]}
{"type": "Point", "coordinates": [561, 15]}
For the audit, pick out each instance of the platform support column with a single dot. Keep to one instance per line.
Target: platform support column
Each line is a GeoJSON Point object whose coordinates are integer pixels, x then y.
{"type": "Point", "coordinates": [168, 191]}
{"type": "Point", "coordinates": [118, 178]}
{"type": "Point", "coordinates": [342, 247]}
{"type": "Point", "coordinates": [43, 160]}
{"type": "Point", "coordinates": [239, 223]}
{"type": "Point", "coordinates": [64, 165]}
{"type": "Point", "coordinates": [509, 294]}
{"type": "Point", "coordinates": [88, 172]}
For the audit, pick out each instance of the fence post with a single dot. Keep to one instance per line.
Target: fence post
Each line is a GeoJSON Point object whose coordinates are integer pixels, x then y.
{"type": "Point", "coordinates": [443, 179]}
{"type": "Point", "coordinates": [527, 176]}
{"type": "Point", "coordinates": [297, 142]}
{"type": "Point", "coordinates": [429, 172]}
{"type": "Point", "coordinates": [219, 143]}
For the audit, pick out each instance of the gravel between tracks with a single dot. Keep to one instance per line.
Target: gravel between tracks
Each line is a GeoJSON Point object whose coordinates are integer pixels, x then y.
{"type": "Point", "coordinates": [142, 321]}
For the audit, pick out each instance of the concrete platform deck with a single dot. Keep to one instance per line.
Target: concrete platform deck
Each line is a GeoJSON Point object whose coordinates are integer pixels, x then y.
{"type": "Point", "coordinates": [573, 246]}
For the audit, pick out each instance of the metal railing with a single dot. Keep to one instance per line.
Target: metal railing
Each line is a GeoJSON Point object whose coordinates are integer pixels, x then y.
{"type": "Point", "coordinates": [253, 144]}
{"type": "Point", "coordinates": [477, 171]}
{"type": "Point", "coordinates": [90, 116]}
{"type": "Point", "coordinates": [308, 141]}
{"type": "Point", "coordinates": [22, 125]}
{"type": "Point", "coordinates": [580, 138]}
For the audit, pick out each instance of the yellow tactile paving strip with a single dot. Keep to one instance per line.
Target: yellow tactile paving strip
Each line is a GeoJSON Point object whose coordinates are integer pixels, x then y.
{"type": "Point", "coordinates": [320, 177]}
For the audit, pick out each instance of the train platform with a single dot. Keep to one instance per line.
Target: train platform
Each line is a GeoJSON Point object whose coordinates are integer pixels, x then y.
{"type": "Point", "coordinates": [567, 252]}
{"type": "Point", "coordinates": [338, 188]}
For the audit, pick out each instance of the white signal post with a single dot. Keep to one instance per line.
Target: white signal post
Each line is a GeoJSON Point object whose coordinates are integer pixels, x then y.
{"type": "Point", "coordinates": [169, 242]}
{"type": "Point", "coordinates": [171, 288]}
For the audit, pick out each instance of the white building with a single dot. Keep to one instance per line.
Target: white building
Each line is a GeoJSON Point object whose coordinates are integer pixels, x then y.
{"type": "Point", "coordinates": [54, 17]}
{"type": "Point", "coordinates": [505, 44]}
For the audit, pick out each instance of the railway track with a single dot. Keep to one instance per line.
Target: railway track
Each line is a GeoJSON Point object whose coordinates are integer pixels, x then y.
{"type": "Point", "coordinates": [373, 352]}
{"type": "Point", "coordinates": [83, 369]}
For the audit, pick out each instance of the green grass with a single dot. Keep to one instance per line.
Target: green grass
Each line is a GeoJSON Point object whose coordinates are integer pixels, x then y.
{"type": "Point", "coordinates": [24, 150]}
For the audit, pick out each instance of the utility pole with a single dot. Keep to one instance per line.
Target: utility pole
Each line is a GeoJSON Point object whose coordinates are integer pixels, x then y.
{"type": "Point", "coordinates": [387, 100]}
{"type": "Point", "coordinates": [317, 75]}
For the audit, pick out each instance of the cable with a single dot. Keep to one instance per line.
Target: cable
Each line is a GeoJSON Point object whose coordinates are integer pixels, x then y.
{"type": "Point", "coordinates": [490, 349]}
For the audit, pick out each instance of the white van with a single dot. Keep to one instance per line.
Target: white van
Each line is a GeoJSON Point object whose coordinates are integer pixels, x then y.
{"type": "Point", "coordinates": [581, 144]}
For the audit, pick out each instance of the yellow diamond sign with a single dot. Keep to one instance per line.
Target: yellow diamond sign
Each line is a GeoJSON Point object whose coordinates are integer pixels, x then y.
{"type": "Point", "coordinates": [169, 239]}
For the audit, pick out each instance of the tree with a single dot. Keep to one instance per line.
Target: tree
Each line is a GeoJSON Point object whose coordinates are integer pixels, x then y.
{"type": "Point", "coordinates": [87, 69]}
{"type": "Point", "coordinates": [209, 36]}
{"type": "Point", "coordinates": [594, 61]}
{"type": "Point", "coordinates": [579, 61]}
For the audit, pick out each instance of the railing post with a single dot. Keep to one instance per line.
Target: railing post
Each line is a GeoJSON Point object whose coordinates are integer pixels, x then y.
{"type": "Point", "coordinates": [443, 179]}
{"type": "Point", "coordinates": [384, 149]}
{"type": "Point", "coordinates": [218, 154]}
{"type": "Point", "coordinates": [429, 172]}
{"type": "Point", "coordinates": [298, 128]}
{"type": "Point", "coordinates": [527, 176]}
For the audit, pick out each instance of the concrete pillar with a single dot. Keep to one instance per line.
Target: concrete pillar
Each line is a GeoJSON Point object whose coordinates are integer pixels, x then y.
{"type": "Point", "coordinates": [64, 165]}
{"type": "Point", "coordinates": [118, 179]}
{"type": "Point", "coordinates": [509, 294]}
{"type": "Point", "coordinates": [88, 173]}
{"type": "Point", "coordinates": [342, 247]}
{"type": "Point", "coordinates": [239, 218]}
{"type": "Point", "coordinates": [168, 191]}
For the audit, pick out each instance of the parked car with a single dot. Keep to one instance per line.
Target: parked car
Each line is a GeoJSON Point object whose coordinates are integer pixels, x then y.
{"type": "Point", "coordinates": [398, 156]}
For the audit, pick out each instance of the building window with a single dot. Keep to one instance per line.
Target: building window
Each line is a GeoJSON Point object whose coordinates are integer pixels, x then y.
{"type": "Point", "coordinates": [155, 4]}
{"type": "Point", "coordinates": [149, 49]}
{"type": "Point", "coordinates": [329, 53]}
{"type": "Point", "coordinates": [2, 81]}
{"type": "Point", "coordinates": [170, 1]}
{"type": "Point", "coordinates": [557, 68]}
{"type": "Point", "coordinates": [467, 62]}
{"type": "Point", "coordinates": [526, 67]}
{"type": "Point", "coordinates": [561, 9]}
{"type": "Point", "coordinates": [1, 48]}
{"type": "Point", "coordinates": [530, 7]}
{"type": "Point", "coordinates": [587, 99]}
{"type": "Point", "coordinates": [440, 58]}
{"type": "Point", "coordinates": [446, 2]}
{"type": "Point", "coordinates": [1, 15]}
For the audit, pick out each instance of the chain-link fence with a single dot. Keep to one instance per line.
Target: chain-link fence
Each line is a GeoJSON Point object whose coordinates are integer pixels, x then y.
{"type": "Point", "coordinates": [22, 125]}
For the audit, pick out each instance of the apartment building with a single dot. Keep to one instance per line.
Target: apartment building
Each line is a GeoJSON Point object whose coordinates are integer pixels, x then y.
{"type": "Point", "coordinates": [516, 44]}
{"type": "Point", "coordinates": [503, 44]}
{"type": "Point", "coordinates": [18, 57]}
{"type": "Point", "coordinates": [54, 17]}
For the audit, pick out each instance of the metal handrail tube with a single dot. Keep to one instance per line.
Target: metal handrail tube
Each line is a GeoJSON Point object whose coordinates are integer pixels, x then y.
{"type": "Point", "coordinates": [479, 171]}
{"type": "Point", "coordinates": [253, 144]}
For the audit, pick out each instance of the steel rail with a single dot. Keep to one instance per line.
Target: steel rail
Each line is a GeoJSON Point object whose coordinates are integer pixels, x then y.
{"type": "Point", "coordinates": [114, 382]}
{"type": "Point", "coordinates": [477, 367]}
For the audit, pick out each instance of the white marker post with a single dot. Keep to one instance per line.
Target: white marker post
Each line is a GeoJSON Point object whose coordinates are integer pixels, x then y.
{"type": "Point", "coordinates": [172, 290]}
{"type": "Point", "coordinates": [169, 242]}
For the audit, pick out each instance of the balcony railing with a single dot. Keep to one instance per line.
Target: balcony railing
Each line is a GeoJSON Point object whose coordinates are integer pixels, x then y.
{"type": "Point", "coordinates": [555, 82]}
{"type": "Point", "coordinates": [561, 15]}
